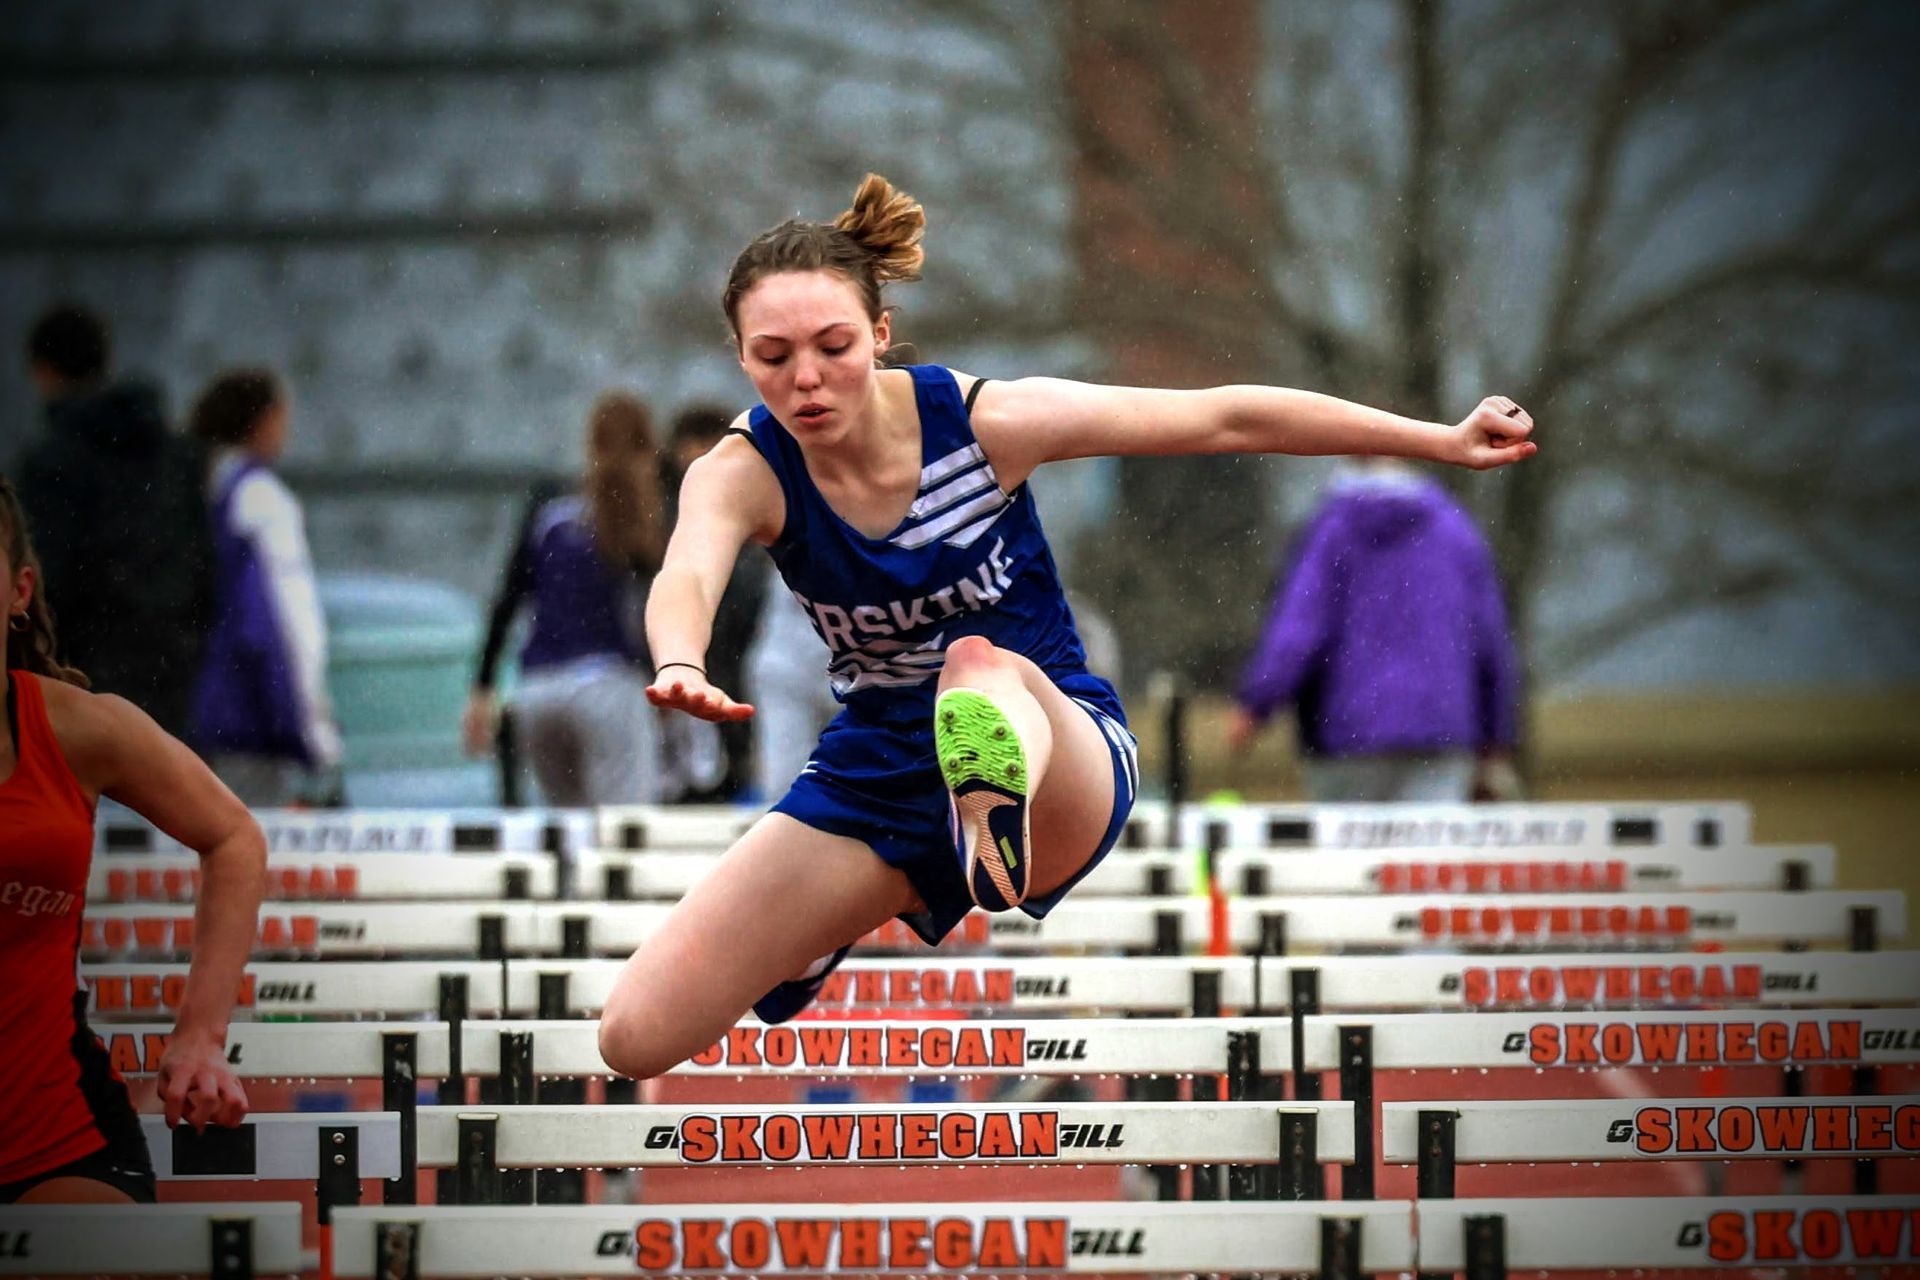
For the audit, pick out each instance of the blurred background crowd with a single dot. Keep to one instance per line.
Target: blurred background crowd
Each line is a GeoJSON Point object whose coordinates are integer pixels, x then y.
{"type": "Point", "coordinates": [358, 348]}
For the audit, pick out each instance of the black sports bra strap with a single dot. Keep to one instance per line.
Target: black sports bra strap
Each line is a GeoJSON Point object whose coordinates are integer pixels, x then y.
{"type": "Point", "coordinates": [973, 391]}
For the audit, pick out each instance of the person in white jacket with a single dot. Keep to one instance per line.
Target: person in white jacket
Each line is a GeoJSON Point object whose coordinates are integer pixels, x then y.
{"type": "Point", "coordinates": [261, 713]}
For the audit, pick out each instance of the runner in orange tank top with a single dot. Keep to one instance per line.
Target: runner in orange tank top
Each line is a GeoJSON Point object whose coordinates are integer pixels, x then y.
{"type": "Point", "coordinates": [68, 1132]}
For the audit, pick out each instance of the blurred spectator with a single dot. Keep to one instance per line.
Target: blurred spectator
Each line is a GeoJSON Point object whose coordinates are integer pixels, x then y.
{"type": "Point", "coordinates": [118, 504]}
{"type": "Point", "coordinates": [261, 712]}
{"type": "Point", "coordinates": [583, 562]}
{"type": "Point", "coordinates": [696, 429]}
{"type": "Point", "coordinates": [1390, 639]}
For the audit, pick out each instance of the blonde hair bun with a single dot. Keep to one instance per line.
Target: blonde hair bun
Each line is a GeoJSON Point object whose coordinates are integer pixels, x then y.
{"type": "Point", "coordinates": [888, 223]}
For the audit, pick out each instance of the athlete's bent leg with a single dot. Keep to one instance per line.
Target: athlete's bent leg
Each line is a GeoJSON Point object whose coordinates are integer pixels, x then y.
{"type": "Point", "coordinates": [782, 897]}
{"type": "Point", "coordinates": [1067, 771]}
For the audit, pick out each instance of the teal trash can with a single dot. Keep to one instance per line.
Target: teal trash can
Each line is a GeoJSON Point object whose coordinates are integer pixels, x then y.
{"type": "Point", "coordinates": [400, 656]}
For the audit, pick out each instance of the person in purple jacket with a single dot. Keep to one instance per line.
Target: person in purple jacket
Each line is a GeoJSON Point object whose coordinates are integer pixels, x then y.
{"type": "Point", "coordinates": [1389, 638]}
{"type": "Point", "coordinates": [262, 715]}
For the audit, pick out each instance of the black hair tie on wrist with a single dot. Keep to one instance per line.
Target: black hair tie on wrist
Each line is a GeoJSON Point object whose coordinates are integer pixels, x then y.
{"type": "Point", "coordinates": [688, 665]}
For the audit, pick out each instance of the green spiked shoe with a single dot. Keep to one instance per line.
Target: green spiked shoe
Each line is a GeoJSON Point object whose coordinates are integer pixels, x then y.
{"type": "Point", "coordinates": [985, 768]}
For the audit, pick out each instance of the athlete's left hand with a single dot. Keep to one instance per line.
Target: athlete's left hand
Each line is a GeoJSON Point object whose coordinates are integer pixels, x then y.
{"type": "Point", "coordinates": [1493, 435]}
{"type": "Point", "coordinates": [196, 1084]}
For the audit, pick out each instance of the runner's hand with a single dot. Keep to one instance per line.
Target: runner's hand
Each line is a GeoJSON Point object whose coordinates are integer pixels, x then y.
{"type": "Point", "coordinates": [683, 688]}
{"type": "Point", "coordinates": [196, 1084]}
{"type": "Point", "coordinates": [1493, 435]}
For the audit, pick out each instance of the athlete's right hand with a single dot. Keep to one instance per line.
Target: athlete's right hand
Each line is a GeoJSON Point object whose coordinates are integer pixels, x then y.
{"type": "Point", "coordinates": [683, 688]}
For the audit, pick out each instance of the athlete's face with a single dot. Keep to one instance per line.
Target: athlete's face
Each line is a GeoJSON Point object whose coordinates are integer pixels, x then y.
{"type": "Point", "coordinates": [808, 346]}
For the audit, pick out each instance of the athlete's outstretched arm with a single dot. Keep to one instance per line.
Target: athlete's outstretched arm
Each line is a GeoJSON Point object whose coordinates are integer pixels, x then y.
{"type": "Point", "coordinates": [116, 750]}
{"type": "Point", "coordinates": [729, 495]}
{"type": "Point", "coordinates": [1027, 422]}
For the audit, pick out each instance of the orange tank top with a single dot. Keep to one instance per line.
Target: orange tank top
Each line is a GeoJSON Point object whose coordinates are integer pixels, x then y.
{"type": "Point", "coordinates": [48, 1115]}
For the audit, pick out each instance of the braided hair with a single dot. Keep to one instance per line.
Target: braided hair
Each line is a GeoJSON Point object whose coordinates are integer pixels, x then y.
{"type": "Point", "coordinates": [31, 644]}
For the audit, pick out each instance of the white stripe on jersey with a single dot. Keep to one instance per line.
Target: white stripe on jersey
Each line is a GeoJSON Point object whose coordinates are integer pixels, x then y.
{"type": "Point", "coordinates": [939, 527]}
{"type": "Point", "coordinates": [959, 460]}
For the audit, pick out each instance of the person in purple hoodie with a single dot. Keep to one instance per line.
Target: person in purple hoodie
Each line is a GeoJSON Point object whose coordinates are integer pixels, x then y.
{"type": "Point", "coordinates": [261, 712]}
{"type": "Point", "coordinates": [1389, 638]}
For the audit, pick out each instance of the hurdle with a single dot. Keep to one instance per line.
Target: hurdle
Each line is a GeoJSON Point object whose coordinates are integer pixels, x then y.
{"type": "Point", "coordinates": [481, 1143]}
{"type": "Point", "coordinates": [1486, 1239]}
{"type": "Point", "coordinates": [1259, 983]}
{"type": "Point", "coordinates": [1074, 1237]}
{"type": "Point", "coordinates": [377, 831]}
{"type": "Point", "coordinates": [230, 1241]}
{"type": "Point", "coordinates": [1438, 1136]}
{"type": "Point", "coordinates": [1575, 825]}
{"type": "Point", "coordinates": [448, 989]}
{"type": "Point", "coordinates": [169, 877]}
{"type": "Point", "coordinates": [1703, 824]}
{"type": "Point", "coordinates": [620, 876]}
{"type": "Point", "coordinates": [495, 930]}
{"type": "Point", "coordinates": [1717, 1038]}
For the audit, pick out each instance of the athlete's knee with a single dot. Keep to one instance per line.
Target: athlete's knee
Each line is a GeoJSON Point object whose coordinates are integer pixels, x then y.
{"type": "Point", "coordinates": [634, 1045]}
{"type": "Point", "coordinates": [973, 652]}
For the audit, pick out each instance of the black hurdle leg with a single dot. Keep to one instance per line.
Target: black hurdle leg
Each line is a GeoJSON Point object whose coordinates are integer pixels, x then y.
{"type": "Point", "coordinates": [1340, 1249]}
{"type": "Point", "coordinates": [396, 1247]}
{"type": "Point", "coordinates": [232, 1248]}
{"type": "Point", "coordinates": [400, 1091]}
{"type": "Point", "coordinates": [1864, 935]}
{"type": "Point", "coordinates": [454, 1011]}
{"type": "Point", "coordinates": [1436, 1165]}
{"type": "Point", "coordinates": [1486, 1247]}
{"type": "Point", "coordinates": [477, 1161]}
{"type": "Point", "coordinates": [1356, 1084]}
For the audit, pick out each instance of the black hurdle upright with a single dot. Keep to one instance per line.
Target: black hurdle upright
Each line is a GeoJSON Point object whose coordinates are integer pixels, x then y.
{"type": "Point", "coordinates": [1356, 1086]}
{"type": "Point", "coordinates": [1864, 935]}
{"type": "Point", "coordinates": [1486, 1246]}
{"type": "Point", "coordinates": [1794, 878]}
{"type": "Point", "coordinates": [1340, 1249]}
{"type": "Point", "coordinates": [454, 1011]}
{"type": "Point", "coordinates": [400, 1091]}
{"type": "Point", "coordinates": [1435, 1165]}
{"type": "Point", "coordinates": [232, 1248]}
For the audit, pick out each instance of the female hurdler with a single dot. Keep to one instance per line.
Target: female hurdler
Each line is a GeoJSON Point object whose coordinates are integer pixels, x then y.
{"type": "Point", "coordinates": [975, 759]}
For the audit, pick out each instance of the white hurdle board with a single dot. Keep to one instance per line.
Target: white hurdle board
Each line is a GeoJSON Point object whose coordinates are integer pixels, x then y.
{"type": "Point", "coordinates": [330, 988]}
{"type": "Point", "coordinates": [872, 1239]}
{"type": "Point", "coordinates": [1275, 826]}
{"type": "Point", "coordinates": [1618, 1232]}
{"type": "Point", "coordinates": [325, 929]}
{"type": "Point", "coordinates": [1720, 1038]}
{"type": "Point", "coordinates": [668, 874]}
{"type": "Point", "coordinates": [1086, 1046]}
{"type": "Point", "coordinates": [1455, 826]}
{"type": "Point", "coordinates": [1076, 1046]}
{"type": "Point", "coordinates": [944, 1133]}
{"type": "Point", "coordinates": [1503, 1132]}
{"type": "Point", "coordinates": [147, 1239]}
{"type": "Point", "coordinates": [276, 1146]}
{"type": "Point", "coordinates": [1164, 984]}
{"type": "Point", "coordinates": [1526, 920]}
{"type": "Point", "coordinates": [376, 831]}
{"type": "Point", "coordinates": [175, 877]}
{"type": "Point", "coordinates": [292, 1050]}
